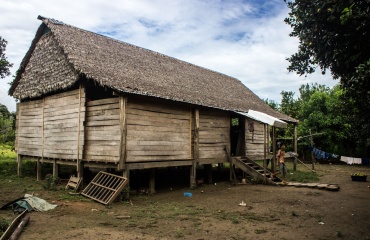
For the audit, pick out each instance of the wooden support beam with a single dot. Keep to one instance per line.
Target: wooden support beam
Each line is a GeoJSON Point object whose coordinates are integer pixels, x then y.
{"type": "Point", "coordinates": [273, 164]}
{"type": "Point", "coordinates": [79, 165]}
{"type": "Point", "coordinates": [295, 147]}
{"type": "Point", "coordinates": [312, 156]}
{"type": "Point", "coordinates": [80, 169]}
{"type": "Point", "coordinates": [152, 181]}
{"type": "Point", "coordinates": [126, 174]}
{"type": "Point", "coordinates": [123, 132]}
{"type": "Point", "coordinates": [264, 152]}
{"type": "Point", "coordinates": [38, 170]}
{"type": "Point", "coordinates": [55, 168]}
{"type": "Point", "coordinates": [20, 168]}
{"type": "Point", "coordinates": [193, 170]}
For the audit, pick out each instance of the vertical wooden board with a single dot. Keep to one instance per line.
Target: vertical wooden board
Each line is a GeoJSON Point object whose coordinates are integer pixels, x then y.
{"type": "Point", "coordinates": [158, 124]}
{"type": "Point", "coordinates": [214, 133]}
{"type": "Point", "coordinates": [101, 131]}
{"type": "Point", "coordinates": [29, 128]}
{"type": "Point", "coordinates": [254, 141]}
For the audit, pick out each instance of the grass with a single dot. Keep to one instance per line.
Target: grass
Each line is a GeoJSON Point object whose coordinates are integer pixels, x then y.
{"type": "Point", "coordinates": [6, 152]}
{"type": "Point", "coordinates": [303, 174]}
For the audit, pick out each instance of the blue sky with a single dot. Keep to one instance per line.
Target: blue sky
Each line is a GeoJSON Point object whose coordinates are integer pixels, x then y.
{"type": "Point", "coordinates": [247, 40]}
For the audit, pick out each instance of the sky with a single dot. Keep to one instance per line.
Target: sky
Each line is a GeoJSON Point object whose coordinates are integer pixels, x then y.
{"type": "Point", "coordinates": [246, 39]}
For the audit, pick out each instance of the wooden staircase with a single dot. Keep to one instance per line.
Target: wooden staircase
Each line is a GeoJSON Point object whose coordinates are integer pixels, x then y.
{"type": "Point", "coordinates": [254, 170]}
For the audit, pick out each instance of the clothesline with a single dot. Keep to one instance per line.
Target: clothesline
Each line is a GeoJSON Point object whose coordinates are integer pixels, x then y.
{"type": "Point", "coordinates": [319, 154]}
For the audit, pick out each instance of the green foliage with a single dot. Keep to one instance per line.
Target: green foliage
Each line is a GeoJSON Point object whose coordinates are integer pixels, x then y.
{"type": "Point", "coordinates": [4, 224]}
{"type": "Point", "coordinates": [334, 35]}
{"type": "Point", "coordinates": [51, 182]}
{"type": "Point", "coordinates": [4, 64]}
{"type": "Point", "coordinates": [7, 120]}
{"type": "Point", "coordinates": [274, 105]}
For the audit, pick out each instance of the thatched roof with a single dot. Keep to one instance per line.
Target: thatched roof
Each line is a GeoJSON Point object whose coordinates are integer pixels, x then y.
{"type": "Point", "coordinates": [60, 53]}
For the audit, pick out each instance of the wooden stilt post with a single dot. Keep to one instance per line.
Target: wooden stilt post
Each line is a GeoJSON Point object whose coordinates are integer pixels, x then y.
{"type": "Point", "coordinates": [295, 147]}
{"type": "Point", "coordinates": [79, 164]}
{"type": "Point", "coordinates": [312, 156]}
{"type": "Point", "coordinates": [55, 168]}
{"type": "Point", "coordinates": [273, 164]}
{"type": "Point", "coordinates": [19, 157]}
{"type": "Point", "coordinates": [264, 152]}
{"type": "Point", "coordinates": [20, 167]}
{"type": "Point", "coordinates": [152, 181]}
{"type": "Point", "coordinates": [193, 171]}
{"type": "Point", "coordinates": [123, 130]}
{"type": "Point", "coordinates": [43, 143]}
{"type": "Point", "coordinates": [38, 170]}
{"type": "Point", "coordinates": [126, 174]}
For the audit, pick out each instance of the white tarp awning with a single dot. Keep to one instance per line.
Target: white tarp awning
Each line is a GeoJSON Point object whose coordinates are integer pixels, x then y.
{"type": "Point", "coordinates": [264, 118]}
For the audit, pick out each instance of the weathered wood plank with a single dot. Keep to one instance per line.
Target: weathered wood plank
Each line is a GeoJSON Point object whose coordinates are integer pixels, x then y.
{"type": "Point", "coordinates": [102, 123]}
{"type": "Point", "coordinates": [158, 153]}
{"type": "Point", "coordinates": [154, 143]}
{"type": "Point", "coordinates": [102, 137]}
{"type": "Point", "coordinates": [103, 107]}
{"type": "Point", "coordinates": [102, 102]}
{"type": "Point", "coordinates": [102, 128]}
{"type": "Point", "coordinates": [90, 134]}
{"type": "Point", "coordinates": [154, 158]}
{"type": "Point", "coordinates": [139, 135]}
{"type": "Point", "coordinates": [102, 143]}
{"type": "Point", "coordinates": [60, 102]}
{"type": "Point", "coordinates": [173, 129]}
{"type": "Point", "coordinates": [174, 147]}
{"type": "Point", "coordinates": [61, 112]}
{"type": "Point", "coordinates": [101, 158]}
{"type": "Point", "coordinates": [92, 151]}
{"type": "Point", "coordinates": [102, 118]}
{"type": "Point", "coordinates": [153, 121]}
{"type": "Point", "coordinates": [157, 107]}
{"type": "Point", "coordinates": [90, 113]}
{"type": "Point", "coordinates": [55, 109]}
{"type": "Point", "coordinates": [102, 148]}
{"type": "Point", "coordinates": [62, 117]}
{"type": "Point", "coordinates": [148, 113]}
{"type": "Point", "coordinates": [60, 125]}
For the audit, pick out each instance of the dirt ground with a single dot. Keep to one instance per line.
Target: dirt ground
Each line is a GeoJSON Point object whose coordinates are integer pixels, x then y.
{"type": "Point", "coordinates": [213, 212]}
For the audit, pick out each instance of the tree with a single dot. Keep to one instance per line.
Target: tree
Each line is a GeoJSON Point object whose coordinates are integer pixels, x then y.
{"type": "Point", "coordinates": [334, 35]}
{"type": "Point", "coordinates": [6, 125]}
{"type": "Point", "coordinates": [4, 64]}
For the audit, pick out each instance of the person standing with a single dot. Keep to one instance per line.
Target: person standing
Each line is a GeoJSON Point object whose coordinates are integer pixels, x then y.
{"type": "Point", "coordinates": [280, 162]}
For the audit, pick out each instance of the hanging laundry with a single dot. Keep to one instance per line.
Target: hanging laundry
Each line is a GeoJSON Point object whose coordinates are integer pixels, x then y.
{"type": "Point", "coordinates": [351, 160]}
{"type": "Point", "coordinates": [344, 159]}
{"type": "Point", "coordinates": [365, 161]}
{"type": "Point", "coordinates": [357, 161]}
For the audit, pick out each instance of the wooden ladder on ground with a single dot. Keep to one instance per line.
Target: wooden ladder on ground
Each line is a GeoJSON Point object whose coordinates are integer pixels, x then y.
{"type": "Point", "coordinates": [254, 170]}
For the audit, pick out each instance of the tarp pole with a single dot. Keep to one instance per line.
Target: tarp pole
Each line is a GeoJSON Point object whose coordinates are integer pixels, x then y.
{"type": "Point", "coordinates": [295, 147]}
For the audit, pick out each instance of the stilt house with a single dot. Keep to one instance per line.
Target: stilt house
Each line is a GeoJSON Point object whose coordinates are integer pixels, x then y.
{"type": "Point", "coordinates": [92, 101]}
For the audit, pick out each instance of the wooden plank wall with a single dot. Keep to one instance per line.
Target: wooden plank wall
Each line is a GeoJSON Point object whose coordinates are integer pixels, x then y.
{"type": "Point", "coordinates": [157, 131]}
{"type": "Point", "coordinates": [214, 134]}
{"type": "Point", "coordinates": [61, 124]}
{"type": "Point", "coordinates": [29, 128]}
{"type": "Point", "coordinates": [102, 129]}
{"type": "Point", "coordinates": [254, 140]}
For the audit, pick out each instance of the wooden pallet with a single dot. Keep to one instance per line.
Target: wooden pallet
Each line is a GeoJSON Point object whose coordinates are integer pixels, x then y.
{"type": "Point", "coordinates": [105, 187]}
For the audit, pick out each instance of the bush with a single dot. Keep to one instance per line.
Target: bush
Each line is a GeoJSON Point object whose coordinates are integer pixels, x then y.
{"type": "Point", "coordinates": [51, 182]}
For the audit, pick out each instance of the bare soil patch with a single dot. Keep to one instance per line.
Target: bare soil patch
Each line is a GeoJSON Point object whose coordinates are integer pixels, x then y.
{"type": "Point", "coordinates": [213, 212]}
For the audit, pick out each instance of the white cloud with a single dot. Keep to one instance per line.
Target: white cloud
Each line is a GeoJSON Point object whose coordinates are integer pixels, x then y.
{"type": "Point", "coordinates": [244, 39]}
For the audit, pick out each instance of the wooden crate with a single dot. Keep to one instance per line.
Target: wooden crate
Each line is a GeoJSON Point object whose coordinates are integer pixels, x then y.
{"type": "Point", "coordinates": [105, 187]}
